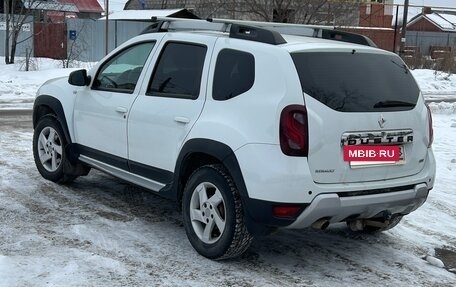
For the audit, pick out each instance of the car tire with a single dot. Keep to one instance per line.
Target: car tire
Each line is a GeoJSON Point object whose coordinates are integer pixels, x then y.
{"type": "Point", "coordinates": [213, 214]}
{"type": "Point", "coordinates": [49, 150]}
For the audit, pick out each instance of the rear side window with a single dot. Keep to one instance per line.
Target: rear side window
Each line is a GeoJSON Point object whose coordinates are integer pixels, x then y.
{"type": "Point", "coordinates": [357, 82]}
{"type": "Point", "coordinates": [178, 71]}
{"type": "Point", "coordinates": [234, 74]}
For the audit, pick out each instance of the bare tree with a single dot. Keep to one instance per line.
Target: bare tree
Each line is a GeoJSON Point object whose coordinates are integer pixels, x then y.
{"type": "Point", "coordinates": [335, 12]}
{"type": "Point", "coordinates": [21, 16]}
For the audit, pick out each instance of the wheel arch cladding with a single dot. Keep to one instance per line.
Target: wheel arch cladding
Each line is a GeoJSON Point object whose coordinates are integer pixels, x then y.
{"type": "Point", "coordinates": [45, 105]}
{"type": "Point", "coordinates": [48, 105]}
{"type": "Point", "coordinates": [219, 153]}
{"type": "Point", "coordinates": [206, 151]}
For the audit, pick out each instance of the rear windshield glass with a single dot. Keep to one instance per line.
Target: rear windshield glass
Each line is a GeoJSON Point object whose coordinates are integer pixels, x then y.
{"type": "Point", "coordinates": [357, 82]}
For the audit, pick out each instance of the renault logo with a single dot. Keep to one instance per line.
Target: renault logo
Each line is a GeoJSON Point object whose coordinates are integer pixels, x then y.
{"type": "Point", "coordinates": [381, 121]}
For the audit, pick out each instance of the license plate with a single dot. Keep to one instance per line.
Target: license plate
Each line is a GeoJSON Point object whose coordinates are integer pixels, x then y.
{"type": "Point", "coordinates": [372, 156]}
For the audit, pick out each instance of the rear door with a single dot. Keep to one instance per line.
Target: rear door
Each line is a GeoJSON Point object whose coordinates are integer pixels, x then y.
{"type": "Point", "coordinates": [356, 98]}
{"type": "Point", "coordinates": [169, 104]}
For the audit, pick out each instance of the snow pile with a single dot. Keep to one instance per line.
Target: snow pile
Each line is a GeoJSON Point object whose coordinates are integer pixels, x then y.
{"type": "Point", "coordinates": [18, 88]}
{"type": "Point", "coordinates": [435, 85]}
{"type": "Point", "coordinates": [443, 108]}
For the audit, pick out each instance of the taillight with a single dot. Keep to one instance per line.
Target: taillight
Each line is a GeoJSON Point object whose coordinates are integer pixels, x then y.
{"type": "Point", "coordinates": [430, 128]}
{"type": "Point", "coordinates": [294, 140]}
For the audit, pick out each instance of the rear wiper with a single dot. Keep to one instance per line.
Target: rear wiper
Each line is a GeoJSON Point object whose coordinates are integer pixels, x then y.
{"type": "Point", "coordinates": [389, 104]}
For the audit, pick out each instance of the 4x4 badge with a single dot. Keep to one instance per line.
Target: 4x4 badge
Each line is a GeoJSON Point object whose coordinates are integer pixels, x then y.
{"type": "Point", "coordinates": [381, 121]}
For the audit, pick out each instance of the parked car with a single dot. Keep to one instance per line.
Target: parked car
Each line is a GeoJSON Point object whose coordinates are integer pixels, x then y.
{"type": "Point", "coordinates": [248, 129]}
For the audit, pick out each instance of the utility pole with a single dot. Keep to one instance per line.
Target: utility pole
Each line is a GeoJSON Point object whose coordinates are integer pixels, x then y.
{"type": "Point", "coordinates": [107, 26]}
{"type": "Point", "coordinates": [7, 34]}
{"type": "Point", "coordinates": [404, 27]}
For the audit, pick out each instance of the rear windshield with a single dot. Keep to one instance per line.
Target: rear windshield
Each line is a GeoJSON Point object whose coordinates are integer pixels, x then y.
{"type": "Point", "coordinates": [357, 82]}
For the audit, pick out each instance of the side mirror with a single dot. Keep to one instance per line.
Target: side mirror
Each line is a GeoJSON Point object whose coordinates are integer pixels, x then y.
{"type": "Point", "coordinates": [79, 78]}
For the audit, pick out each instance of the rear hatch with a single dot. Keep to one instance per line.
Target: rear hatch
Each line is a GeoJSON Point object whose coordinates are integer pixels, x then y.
{"type": "Point", "coordinates": [356, 98]}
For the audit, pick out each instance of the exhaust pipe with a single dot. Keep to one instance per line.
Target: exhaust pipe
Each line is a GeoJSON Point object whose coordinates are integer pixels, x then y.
{"type": "Point", "coordinates": [321, 224]}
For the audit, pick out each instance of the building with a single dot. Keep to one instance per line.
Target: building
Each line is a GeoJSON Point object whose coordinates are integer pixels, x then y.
{"type": "Point", "coordinates": [435, 21]}
{"type": "Point", "coordinates": [433, 33]}
{"type": "Point", "coordinates": [376, 13]}
{"type": "Point", "coordinates": [55, 10]}
{"type": "Point", "coordinates": [375, 22]}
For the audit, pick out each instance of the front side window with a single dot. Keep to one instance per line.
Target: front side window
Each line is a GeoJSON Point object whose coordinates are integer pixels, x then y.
{"type": "Point", "coordinates": [178, 71]}
{"type": "Point", "coordinates": [121, 73]}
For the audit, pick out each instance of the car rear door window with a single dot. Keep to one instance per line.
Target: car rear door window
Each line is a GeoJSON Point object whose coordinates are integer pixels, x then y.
{"type": "Point", "coordinates": [178, 71]}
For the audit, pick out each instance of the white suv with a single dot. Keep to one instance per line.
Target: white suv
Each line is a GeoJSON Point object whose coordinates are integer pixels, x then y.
{"type": "Point", "coordinates": [248, 129]}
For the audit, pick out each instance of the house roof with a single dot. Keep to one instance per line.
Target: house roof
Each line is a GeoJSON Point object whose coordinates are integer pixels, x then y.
{"type": "Point", "coordinates": [88, 6]}
{"type": "Point", "coordinates": [148, 14]}
{"type": "Point", "coordinates": [76, 6]}
{"type": "Point", "coordinates": [50, 6]}
{"type": "Point", "coordinates": [445, 20]}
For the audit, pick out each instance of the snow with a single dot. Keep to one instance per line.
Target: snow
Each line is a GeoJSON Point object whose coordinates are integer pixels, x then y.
{"type": "Point", "coordinates": [101, 231]}
{"type": "Point", "coordinates": [435, 261]}
{"type": "Point", "coordinates": [442, 22]}
{"type": "Point", "coordinates": [18, 88]}
{"type": "Point", "coordinates": [449, 17]}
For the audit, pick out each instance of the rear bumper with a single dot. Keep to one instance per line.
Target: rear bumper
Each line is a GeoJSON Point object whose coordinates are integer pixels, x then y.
{"type": "Point", "coordinates": [288, 182]}
{"type": "Point", "coordinates": [335, 208]}
{"type": "Point", "coordinates": [271, 176]}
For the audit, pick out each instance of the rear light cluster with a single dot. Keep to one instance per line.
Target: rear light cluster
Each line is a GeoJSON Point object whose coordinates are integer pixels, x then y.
{"type": "Point", "coordinates": [294, 139]}
{"type": "Point", "coordinates": [430, 128]}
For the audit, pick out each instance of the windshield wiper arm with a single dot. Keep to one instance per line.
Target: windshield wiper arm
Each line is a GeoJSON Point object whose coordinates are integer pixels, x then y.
{"type": "Point", "coordinates": [389, 104]}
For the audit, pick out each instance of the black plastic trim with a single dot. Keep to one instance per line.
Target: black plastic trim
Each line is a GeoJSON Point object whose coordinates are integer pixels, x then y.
{"type": "Point", "coordinates": [218, 150]}
{"type": "Point", "coordinates": [150, 172]}
{"type": "Point", "coordinates": [348, 37]}
{"type": "Point", "coordinates": [55, 105]}
{"type": "Point", "coordinates": [256, 34]}
{"type": "Point", "coordinates": [375, 191]}
{"type": "Point", "coordinates": [104, 157]}
{"type": "Point", "coordinates": [154, 173]}
{"type": "Point", "coordinates": [260, 211]}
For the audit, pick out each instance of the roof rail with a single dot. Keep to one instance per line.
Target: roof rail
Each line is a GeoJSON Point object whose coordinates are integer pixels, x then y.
{"type": "Point", "coordinates": [265, 32]}
{"type": "Point", "coordinates": [245, 32]}
{"type": "Point", "coordinates": [316, 31]}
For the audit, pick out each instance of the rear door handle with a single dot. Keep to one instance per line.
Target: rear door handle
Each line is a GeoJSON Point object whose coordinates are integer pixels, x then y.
{"type": "Point", "coordinates": [122, 110]}
{"type": "Point", "coordinates": [182, 120]}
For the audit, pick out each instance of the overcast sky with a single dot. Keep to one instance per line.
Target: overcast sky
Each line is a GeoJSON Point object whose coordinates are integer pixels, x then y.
{"type": "Point", "coordinates": [435, 3]}
{"type": "Point", "coordinates": [413, 11]}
